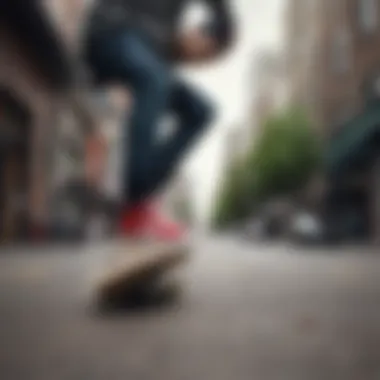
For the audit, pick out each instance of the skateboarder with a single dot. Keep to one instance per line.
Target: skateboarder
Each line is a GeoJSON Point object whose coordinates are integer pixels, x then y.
{"type": "Point", "coordinates": [137, 43]}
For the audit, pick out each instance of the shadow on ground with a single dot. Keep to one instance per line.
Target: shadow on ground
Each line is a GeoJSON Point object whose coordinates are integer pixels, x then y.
{"type": "Point", "coordinates": [140, 301]}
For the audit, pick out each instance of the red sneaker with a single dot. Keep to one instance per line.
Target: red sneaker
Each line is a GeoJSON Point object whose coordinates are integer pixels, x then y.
{"type": "Point", "coordinates": [162, 227]}
{"type": "Point", "coordinates": [145, 221]}
{"type": "Point", "coordinates": [133, 221]}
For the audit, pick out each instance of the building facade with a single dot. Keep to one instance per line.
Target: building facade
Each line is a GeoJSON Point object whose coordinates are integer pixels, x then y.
{"type": "Point", "coordinates": [332, 56]}
{"type": "Point", "coordinates": [35, 100]}
{"type": "Point", "coordinates": [304, 25]}
{"type": "Point", "coordinates": [338, 81]}
{"type": "Point", "coordinates": [271, 91]}
{"type": "Point", "coordinates": [33, 73]}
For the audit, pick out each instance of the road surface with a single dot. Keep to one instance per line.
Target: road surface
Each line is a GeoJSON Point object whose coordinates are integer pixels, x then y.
{"type": "Point", "coordinates": [246, 312]}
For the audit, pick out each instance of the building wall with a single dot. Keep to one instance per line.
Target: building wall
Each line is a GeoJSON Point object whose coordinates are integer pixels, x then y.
{"type": "Point", "coordinates": [69, 16]}
{"type": "Point", "coordinates": [51, 112]}
{"type": "Point", "coordinates": [17, 74]}
{"type": "Point", "coordinates": [330, 57]}
{"type": "Point", "coordinates": [352, 58]}
{"type": "Point", "coordinates": [304, 25]}
{"type": "Point", "coordinates": [345, 40]}
{"type": "Point", "coordinates": [110, 104]}
{"type": "Point", "coordinates": [271, 88]}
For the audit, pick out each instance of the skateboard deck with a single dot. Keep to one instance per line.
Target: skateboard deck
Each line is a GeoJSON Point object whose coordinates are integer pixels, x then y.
{"type": "Point", "coordinates": [135, 270]}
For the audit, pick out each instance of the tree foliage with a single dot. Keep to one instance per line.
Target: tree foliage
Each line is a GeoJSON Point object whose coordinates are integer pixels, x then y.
{"type": "Point", "coordinates": [285, 155]}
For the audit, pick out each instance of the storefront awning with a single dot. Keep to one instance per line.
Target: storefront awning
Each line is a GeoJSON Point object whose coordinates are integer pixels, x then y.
{"type": "Point", "coordinates": [354, 141]}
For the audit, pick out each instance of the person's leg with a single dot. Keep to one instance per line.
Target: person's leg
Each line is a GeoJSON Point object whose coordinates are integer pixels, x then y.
{"type": "Point", "coordinates": [194, 113]}
{"type": "Point", "coordinates": [128, 58]}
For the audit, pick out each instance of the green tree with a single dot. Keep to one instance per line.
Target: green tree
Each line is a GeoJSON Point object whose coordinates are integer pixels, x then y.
{"type": "Point", "coordinates": [281, 161]}
{"type": "Point", "coordinates": [286, 154]}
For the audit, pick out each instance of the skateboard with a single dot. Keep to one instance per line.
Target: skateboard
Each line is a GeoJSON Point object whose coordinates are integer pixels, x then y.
{"type": "Point", "coordinates": [135, 272]}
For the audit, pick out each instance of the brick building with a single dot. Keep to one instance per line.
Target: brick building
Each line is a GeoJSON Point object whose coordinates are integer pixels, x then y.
{"type": "Point", "coordinates": [270, 87]}
{"type": "Point", "coordinates": [109, 102]}
{"type": "Point", "coordinates": [36, 106]}
{"type": "Point", "coordinates": [303, 32]}
{"type": "Point", "coordinates": [338, 80]}
{"type": "Point", "coordinates": [32, 75]}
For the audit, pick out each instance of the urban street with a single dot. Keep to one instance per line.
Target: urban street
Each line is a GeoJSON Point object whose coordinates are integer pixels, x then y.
{"type": "Point", "coordinates": [245, 311]}
{"type": "Point", "coordinates": [146, 118]}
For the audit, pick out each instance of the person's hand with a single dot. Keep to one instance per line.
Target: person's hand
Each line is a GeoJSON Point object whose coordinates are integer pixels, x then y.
{"type": "Point", "coordinates": [195, 46]}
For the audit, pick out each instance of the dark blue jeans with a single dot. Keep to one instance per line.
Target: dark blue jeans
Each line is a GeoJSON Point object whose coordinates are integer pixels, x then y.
{"type": "Point", "coordinates": [128, 58]}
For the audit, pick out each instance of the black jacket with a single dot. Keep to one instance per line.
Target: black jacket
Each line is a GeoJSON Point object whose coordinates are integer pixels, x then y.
{"type": "Point", "coordinates": [157, 18]}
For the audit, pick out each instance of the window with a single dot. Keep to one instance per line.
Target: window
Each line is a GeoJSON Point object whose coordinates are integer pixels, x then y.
{"type": "Point", "coordinates": [368, 15]}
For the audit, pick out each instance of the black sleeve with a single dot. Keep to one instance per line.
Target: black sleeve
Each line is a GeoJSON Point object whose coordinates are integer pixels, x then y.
{"type": "Point", "coordinates": [222, 24]}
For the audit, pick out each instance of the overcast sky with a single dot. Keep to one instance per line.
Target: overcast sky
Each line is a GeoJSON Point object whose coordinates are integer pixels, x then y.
{"type": "Point", "coordinates": [229, 82]}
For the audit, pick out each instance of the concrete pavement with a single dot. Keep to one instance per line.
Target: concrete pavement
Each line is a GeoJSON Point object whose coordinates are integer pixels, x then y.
{"type": "Point", "coordinates": [246, 312]}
